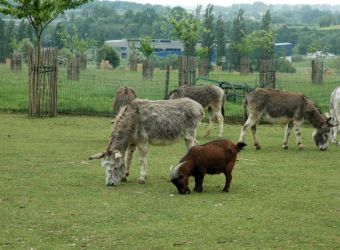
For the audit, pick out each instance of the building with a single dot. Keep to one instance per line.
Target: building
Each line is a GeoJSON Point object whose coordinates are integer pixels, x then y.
{"type": "Point", "coordinates": [162, 47]}
{"type": "Point", "coordinates": [284, 50]}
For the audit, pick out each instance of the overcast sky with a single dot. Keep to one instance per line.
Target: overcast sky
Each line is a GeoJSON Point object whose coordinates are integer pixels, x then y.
{"type": "Point", "coordinates": [230, 2]}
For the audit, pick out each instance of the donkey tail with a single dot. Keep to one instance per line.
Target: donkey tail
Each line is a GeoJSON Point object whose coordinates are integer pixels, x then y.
{"type": "Point", "coordinates": [245, 113]}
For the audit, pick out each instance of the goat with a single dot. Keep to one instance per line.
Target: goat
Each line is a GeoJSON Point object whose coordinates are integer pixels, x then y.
{"type": "Point", "coordinates": [292, 108]}
{"type": "Point", "coordinates": [144, 122]}
{"type": "Point", "coordinates": [334, 110]}
{"type": "Point", "coordinates": [211, 158]}
{"type": "Point", "coordinates": [124, 95]}
{"type": "Point", "coordinates": [210, 97]}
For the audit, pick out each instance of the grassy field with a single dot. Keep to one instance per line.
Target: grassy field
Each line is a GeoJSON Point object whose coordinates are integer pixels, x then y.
{"type": "Point", "coordinates": [52, 197]}
{"type": "Point", "coordinates": [94, 92]}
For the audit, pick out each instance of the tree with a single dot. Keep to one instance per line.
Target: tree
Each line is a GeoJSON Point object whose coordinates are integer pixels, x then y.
{"type": "Point", "coordinates": [186, 30]}
{"type": "Point", "coordinates": [208, 36]}
{"type": "Point", "coordinates": [261, 44]}
{"type": "Point", "coordinates": [60, 36]}
{"type": "Point", "coordinates": [220, 39]}
{"type": "Point", "coordinates": [237, 37]}
{"type": "Point", "coordinates": [39, 13]}
{"type": "Point", "coordinates": [146, 46]}
{"type": "Point", "coordinates": [266, 21]}
{"type": "Point", "coordinates": [2, 40]}
{"type": "Point", "coordinates": [109, 54]}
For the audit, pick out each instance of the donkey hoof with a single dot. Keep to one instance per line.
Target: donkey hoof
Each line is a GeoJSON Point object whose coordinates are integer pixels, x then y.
{"type": "Point", "coordinates": [257, 146]}
{"type": "Point", "coordinates": [124, 179]}
{"type": "Point", "coordinates": [301, 146]}
{"type": "Point", "coordinates": [285, 146]}
{"type": "Point", "coordinates": [141, 181]}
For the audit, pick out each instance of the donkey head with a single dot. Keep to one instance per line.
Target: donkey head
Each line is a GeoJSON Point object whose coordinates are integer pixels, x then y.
{"type": "Point", "coordinates": [321, 136]}
{"type": "Point", "coordinates": [114, 165]}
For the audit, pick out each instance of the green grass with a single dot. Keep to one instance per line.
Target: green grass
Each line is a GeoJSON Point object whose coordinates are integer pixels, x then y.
{"type": "Point", "coordinates": [52, 197]}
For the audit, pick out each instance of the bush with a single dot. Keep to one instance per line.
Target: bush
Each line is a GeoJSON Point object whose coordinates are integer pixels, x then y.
{"type": "Point", "coordinates": [285, 66]}
{"type": "Point", "coordinates": [335, 63]}
{"type": "Point", "coordinates": [297, 58]}
{"type": "Point", "coordinates": [109, 54]}
{"type": "Point", "coordinates": [161, 63]}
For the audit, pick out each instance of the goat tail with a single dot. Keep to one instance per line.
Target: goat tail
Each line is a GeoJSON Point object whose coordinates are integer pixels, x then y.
{"type": "Point", "coordinates": [245, 113]}
{"type": "Point", "coordinates": [240, 146]}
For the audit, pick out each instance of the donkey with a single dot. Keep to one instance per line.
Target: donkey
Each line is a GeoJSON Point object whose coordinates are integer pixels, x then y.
{"type": "Point", "coordinates": [292, 108]}
{"type": "Point", "coordinates": [334, 110]}
{"type": "Point", "coordinates": [210, 97]}
{"type": "Point", "coordinates": [144, 122]}
{"type": "Point", "coordinates": [124, 95]}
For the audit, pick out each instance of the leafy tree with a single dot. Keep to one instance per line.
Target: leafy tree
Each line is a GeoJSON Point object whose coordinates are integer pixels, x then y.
{"type": "Point", "coordinates": [25, 47]}
{"type": "Point", "coordinates": [266, 21]}
{"type": "Point", "coordinates": [60, 36]}
{"type": "Point", "coordinates": [261, 44]}
{"type": "Point", "coordinates": [2, 41]}
{"type": "Point", "coordinates": [237, 38]}
{"type": "Point", "coordinates": [39, 13]}
{"type": "Point", "coordinates": [146, 46]}
{"type": "Point", "coordinates": [186, 30]}
{"type": "Point", "coordinates": [202, 52]}
{"type": "Point", "coordinates": [220, 39]}
{"type": "Point", "coordinates": [208, 35]}
{"type": "Point", "coordinates": [109, 54]}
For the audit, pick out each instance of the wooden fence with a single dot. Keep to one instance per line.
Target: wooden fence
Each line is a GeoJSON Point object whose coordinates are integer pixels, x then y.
{"type": "Point", "coordinates": [43, 77]}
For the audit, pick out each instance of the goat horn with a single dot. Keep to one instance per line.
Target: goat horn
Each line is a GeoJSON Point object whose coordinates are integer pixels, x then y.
{"type": "Point", "coordinates": [97, 156]}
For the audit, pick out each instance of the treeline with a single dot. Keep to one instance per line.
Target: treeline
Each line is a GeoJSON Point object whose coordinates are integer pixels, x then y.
{"type": "Point", "coordinates": [92, 24]}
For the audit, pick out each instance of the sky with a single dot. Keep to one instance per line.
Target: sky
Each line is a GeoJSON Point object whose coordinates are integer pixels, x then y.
{"type": "Point", "coordinates": [230, 2]}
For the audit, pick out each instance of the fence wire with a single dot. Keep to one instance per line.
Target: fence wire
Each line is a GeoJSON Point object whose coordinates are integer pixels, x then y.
{"type": "Point", "coordinates": [95, 90]}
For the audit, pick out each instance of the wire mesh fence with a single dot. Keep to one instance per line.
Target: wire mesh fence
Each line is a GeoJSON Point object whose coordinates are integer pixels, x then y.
{"type": "Point", "coordinates": [95, 90]}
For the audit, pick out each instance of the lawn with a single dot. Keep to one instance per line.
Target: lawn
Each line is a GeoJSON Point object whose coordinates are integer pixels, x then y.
{"type": "Point", "coordinates": [52, 197]}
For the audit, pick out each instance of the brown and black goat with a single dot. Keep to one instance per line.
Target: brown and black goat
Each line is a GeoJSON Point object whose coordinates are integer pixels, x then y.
{"type": "Point", "coordinates": [211, 158]}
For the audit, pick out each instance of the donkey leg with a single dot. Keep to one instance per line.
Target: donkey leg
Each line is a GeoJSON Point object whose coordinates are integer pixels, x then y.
{"type": "Point", "coordinates": [210, 125]}
{"type": "Point", "coordinates": [297, 127]}
{"type": "Point", "coordinates": [251, 121]}
{"type": "Point", "coordinates": [190, 138]}
{"type": "Point", "coordinates": [128, 158]}
{"type": "Point", "coordinates": [143, 152]}
{"type": "Point", "coordinates": [256, 143]}
{"type": "Point", "coordinates": [220, 123]}
{"type": "Point", "coordinates": [288, 131]}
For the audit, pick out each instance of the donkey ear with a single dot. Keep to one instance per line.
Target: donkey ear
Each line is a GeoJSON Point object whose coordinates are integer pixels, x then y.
{"type": "Point", "coordinates": [97, 156]}
{"type": "Point", "coordinates": [329, 122]}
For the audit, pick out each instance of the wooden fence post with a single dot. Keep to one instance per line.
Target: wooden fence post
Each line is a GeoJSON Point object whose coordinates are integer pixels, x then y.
{"type": "Point", "coordinates": [186, 70]}
{"type": "Point", "coordinates": [267, 73]}
{"type": "Point", "coordinates": [167, 82]}
{"type": "Point", "coordinates": [43, 78]}
{"type": "Point", "coordinates": [317, 71]}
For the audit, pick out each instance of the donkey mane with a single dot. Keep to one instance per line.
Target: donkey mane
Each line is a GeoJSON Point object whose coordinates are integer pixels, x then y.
{"type": "Point", "coordinates": [314, 115]}
{"type": "Point", "coordinates": [123, 128]}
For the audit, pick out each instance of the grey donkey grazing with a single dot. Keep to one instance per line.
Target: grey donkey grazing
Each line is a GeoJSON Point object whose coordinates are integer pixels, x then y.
{"type": "Point", "coordinates": [290, 108]}
{"type": "Point", "coordinates": [144, 122]}
{"type": "Point", "coordinates": [210, 97]}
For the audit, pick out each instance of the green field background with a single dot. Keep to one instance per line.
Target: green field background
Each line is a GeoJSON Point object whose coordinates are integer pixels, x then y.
{"type": "Point", "coordinates": [95, 90]}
